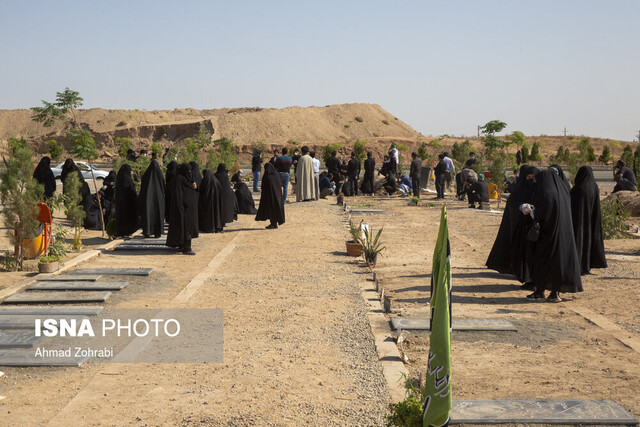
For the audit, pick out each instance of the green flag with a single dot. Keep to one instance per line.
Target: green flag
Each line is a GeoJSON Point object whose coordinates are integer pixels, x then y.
{"type": "Point", "coordinates": [438, 400]}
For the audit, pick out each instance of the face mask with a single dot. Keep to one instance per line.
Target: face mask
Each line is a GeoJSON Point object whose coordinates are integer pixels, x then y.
{"type": "Point", "coordinates": [530, 182]}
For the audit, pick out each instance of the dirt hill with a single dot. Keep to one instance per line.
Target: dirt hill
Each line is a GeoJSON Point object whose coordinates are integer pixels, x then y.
{"type": "Point", "coordinates": [274, 128]}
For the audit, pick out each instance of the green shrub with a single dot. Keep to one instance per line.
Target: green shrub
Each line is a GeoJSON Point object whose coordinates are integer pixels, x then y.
{"type": "Point", "coordinates": [359, 149]}
{"type": "Point", "coordinates": [407, 413]}
{"type": "Point", "coordinates": [122, 123]}
{"type": "Point", "coordinates": [613, 216]}
{"type": "Point", "coordinates": [627, 155]}
{"type": "Point", "coordinates": [54, 150]}
{"type": "Point", "coordinates": [111, 228]}
{"type": "Point", "coordinates": [358, 119]}
{"type": "Point", "coordinates": [385, 122]}
{"type": "Point", "coordinates": [125, 145]}
{"type": "Point", "coordinates": [328, 149]}
{"type": "Point", "coordinates": [157, 148]}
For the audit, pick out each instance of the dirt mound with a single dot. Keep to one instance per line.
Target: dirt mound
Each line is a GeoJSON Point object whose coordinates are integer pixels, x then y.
{"type": "Point", "coordinates": [629, 199]}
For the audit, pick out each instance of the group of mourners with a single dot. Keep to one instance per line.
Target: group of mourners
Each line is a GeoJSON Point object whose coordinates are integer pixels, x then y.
{"type": "Point", "coordinates": [190, 202]}
{"type": "Point", "coordinates": [550, 233]}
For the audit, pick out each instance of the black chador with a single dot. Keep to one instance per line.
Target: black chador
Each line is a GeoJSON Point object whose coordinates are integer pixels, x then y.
{"type": "Point", "coordinates": [69, 167]}
{"type": "Point", "coordinates": [209, 202]}
{"type": "Point", "coordinates": [555, 263]}
{"type": "Point", "coordinates": [246, 205]}
{"type": "Point", "coordinates": [271, 207]}
{"type": "Point", "coordinates": [587, 221]}
{"type": "Point", "coordinates": [195, 173]}
{"type": "Point", "coordinates": [172, 170]}
{"type": "Point", "coordinates": [183, 216]}
{"type": "Point", "coordinates": [151, 201]}
{"type": "Point", "coordinates": [368, 183]}
{"type": "Point", "coordinates": [229, 204]}
{"type": "Point", "coordinates": [44, 176]}
{"type": "Point", "coordinates": [126, 203]}
{"type": "Point", "coordinates": [513, 227]}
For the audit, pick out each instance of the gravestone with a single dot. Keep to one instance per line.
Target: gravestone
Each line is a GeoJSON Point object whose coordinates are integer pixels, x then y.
{"type": "Point", "coordinates": [114, 271]}
{"type": "Point", "coordinates": [18, 339]}
{"type": "Point", "coordinates": [51, 310]}
{"type": "Point", "coordinates": [57, 297]}
{"type": "Point", "coordinates": [75, 286]}
{"type": "Point", "coordinates": [458, 324]}
{"type": "Point", "coordinates": [67, 277]}
{"type": "Point", "coordinates": [540, 412]}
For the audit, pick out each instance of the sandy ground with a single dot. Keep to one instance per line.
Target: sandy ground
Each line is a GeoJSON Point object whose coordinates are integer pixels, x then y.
{"type": "Point", "coordinates": [556, 353]}
{"type": "Point", "coordinates": [298, 347]}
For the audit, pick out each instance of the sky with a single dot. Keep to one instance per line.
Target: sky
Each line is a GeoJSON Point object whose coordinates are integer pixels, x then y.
{"type": "Point", "coordinates": [443, 67]}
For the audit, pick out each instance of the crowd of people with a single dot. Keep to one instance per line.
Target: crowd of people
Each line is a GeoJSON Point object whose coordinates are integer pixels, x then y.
{"type": "Point", "coordinates": [550, 233]}
{"type": "Point", "coordinates": [190, 202]}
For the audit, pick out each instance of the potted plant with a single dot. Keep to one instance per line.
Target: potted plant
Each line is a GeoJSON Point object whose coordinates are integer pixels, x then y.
{"type": "Point", "coordinates": [51, 262]}
{"type": "Point", "coordinates": [48, 264]}
{"type": "Point", "coordinates": [354, 246]}
{"type": "Point", "coordinates": [371, 246]}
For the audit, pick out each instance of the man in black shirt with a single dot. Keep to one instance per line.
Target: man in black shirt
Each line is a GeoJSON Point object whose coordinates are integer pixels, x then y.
{"type": "Point", "coordinates": [624, 177]}
{"type": "Point", "coordinates": [256, 165]}
{"type": "Point", "coordinates": [439, 173]}
{"type": "Point", "coordinates": [353, 172]}
{"type": "Point", "coordinates": [414, 174]}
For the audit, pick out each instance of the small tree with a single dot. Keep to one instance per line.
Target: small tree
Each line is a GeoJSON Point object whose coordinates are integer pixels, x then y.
{"type": "Point", "coordinates": [73, 209]}
{"type": "Point", "coordinates": [123, 147]}
{"type": "Point", "coordinates": [517, 138]}
{"type": "Point", "coordinates": [222, 152]}
{"type": "Point", "coordinates": [66, 103]}
{"type": "Point", "coordinates": [460, 152]}
{"type": "Point", "coordinates": [359, 149]}
{"type": "Point", "coordinates": [54, 150]}
{"type": "Point", "coordinates": [493, 127]}
{"type": "Point", "coordinates": [585, 150]}
{"type": "Point", "coordinates": [328, 149]}
{"type": "Point", "coordinates": [627, 155]}
{"type": "Point", "coordinates": [535, 152]}
{"type": "Point", "coordinates": [84, 146]}
{"type": "Point", "coordinates": [605, 157]}
{"type": "Point", "coordinates": [20, 195]}
{"type": "Point", "coordinates": [524, 153]}
{"type": "Point", "coordinates": [423, 152]}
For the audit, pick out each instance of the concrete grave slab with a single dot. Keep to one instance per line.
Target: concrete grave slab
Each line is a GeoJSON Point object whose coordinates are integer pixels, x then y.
{"type": "Point", "coordinates": [27, 358]}
{"type": "Point", "coordinates": [401, 323]}
{"type": "Point", "coordinates": [18, 339]}
{"type": "Point", "coordinates": [51, 310]}
{"type": "Point", "coordinates": [540, 412]}
{"type": "Point", "coordinates": [78, 286]}
{"type": "Point", "coordinates": [57, 297]}
{"type": "Point", "coordinates": [67, 277]}
{"type": "Point", "coordinates": [114, 271]}
{"type": "Point", "coordinates": [160, 241]}
{"type": "Point", "coordinates": [128, 247]}
{"type": "Point", "coordinates": [359, 211]}
{"type": "Point", "coordinates": [28, 322]}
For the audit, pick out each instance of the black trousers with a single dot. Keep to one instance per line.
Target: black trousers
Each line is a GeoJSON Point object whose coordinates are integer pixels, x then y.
{"type": "Point", "coordinates": [440, 186]}
{"type": "Point", "coordinates": [415, 184]}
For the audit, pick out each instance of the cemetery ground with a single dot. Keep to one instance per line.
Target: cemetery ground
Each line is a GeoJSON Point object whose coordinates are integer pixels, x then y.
{"type": "Point", "coordinates": [298, 347]}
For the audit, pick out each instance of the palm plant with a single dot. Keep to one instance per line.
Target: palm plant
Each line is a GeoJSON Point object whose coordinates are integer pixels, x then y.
{"type": "Point", "coordinates": [371, 246]}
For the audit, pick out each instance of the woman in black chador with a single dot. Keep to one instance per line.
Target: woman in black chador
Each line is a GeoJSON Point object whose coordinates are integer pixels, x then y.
{"type": "Point", "coordinates": [69, 167]}
{"type": "Point", "coordinates": [555, 266]}
{"type": "Point", "coordinates": [587, 221]}
{"type": "Point", "coordinates": [195, 173]}
{"type": "Point", "coordinates": [368, 183]}
{"type": "Point", "coordinates": [126, 203]}
{"type": "Point", "coordinates": [501, 257]}
{"type": "Point", "coordinates": [209, 200]}
{"type": "Point", "coordinates": [183, 217]}
{"type": "Point", "coordinates": [172, 170]}
{"type": "Point", "coordinates": [151, 201]}
{"type": "Point", "coordinates": [44, 176]}
{"type": "Point", "coordinates": [246, 205]}
{"type": "Point", "coordinates": [229, 204]}
{"type": "Point", "coordinates": [108, 190]}
{"type": "Point", "coordinates": [271, 207]}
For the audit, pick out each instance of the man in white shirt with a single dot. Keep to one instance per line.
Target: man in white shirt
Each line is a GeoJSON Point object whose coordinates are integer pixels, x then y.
{"type": "Point", "coordinates": [449, 171]}
{"type": "Point", "coordinates": [393, 150]}
{"type": "Point", "coordinates": [316, 173]}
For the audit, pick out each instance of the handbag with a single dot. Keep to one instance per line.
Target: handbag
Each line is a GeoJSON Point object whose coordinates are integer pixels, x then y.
{"type": "Point", "coordinates": [533, 233]}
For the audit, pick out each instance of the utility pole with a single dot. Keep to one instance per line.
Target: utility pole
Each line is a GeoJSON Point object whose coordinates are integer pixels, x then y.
{"type": "Point", "coordinates": [565, 131]}
{"type": "Point", "coordinates": [479, 131]}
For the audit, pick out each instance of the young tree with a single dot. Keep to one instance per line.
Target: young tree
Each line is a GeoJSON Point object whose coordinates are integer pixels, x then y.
{"type": "Point", "coordinates": [124, 146]}
{"type": "Point", "coordinates": [84, 146]}
{"type": "Point", "coordinates": [517, 138]}
{"type": "Point", "coordinates": [359, 149]}
{"type": "Point", "coordinates": [20, 195]}
{"type": "Point", "coordinates": [524, 153]}
{"type": "Point", "coordinates": [66, 103]}
{"type": "Point", "coordinates": [605, 157]}
{"type": "Point", "coordinates": [627, 155]}
{"type": "Point", "coordinates": [54, 150]}
{"type": "Point", "coordinates": [73, 209]}
{"type": "Point", "coordinates": [493, 127]}
{"type": "Point", "coordinates": [535, 152]}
